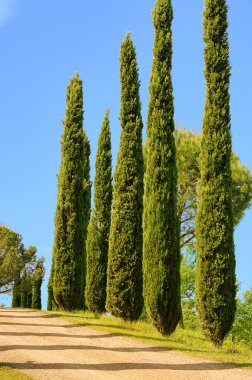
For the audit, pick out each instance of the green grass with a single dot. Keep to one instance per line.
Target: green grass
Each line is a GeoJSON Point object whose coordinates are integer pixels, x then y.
{"type": "Point", "coordinates": [192, 342]}
{"type": "Point", "coordinates": [8, 373]}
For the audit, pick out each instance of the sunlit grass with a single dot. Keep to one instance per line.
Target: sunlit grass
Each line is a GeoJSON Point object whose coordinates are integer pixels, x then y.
{"type": "Point", "coordinates": [192, 342]}
{"type": "Point", "coordinates": [8, 373]}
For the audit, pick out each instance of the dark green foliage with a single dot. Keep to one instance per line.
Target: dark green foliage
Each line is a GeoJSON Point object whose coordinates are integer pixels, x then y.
{"type": "Point", "coordinates": [72, 205]}
{"type": "Point", "coordinates": [215, 273]}
{"type": "Point", "coordinates": [51, 304]}
{"type": "Point", "coordinates": [124, 287]}
{"type": "Point", "coordinates": [50, 292]}
{"type": "Point", "coordinates": [161, 254]}
{"type": "Point", "coordinates": [98, 230]}
{"type": "Point", "coordinates": [26, 290]}
{"type": "Point", "coordinates": [36, 296]}
{"type": "Point", "coordinates": [87, 202]}
{"type": "Point", "coordinates": [16, 294]}
{"type": "Point", "coordinates": [38, 276]}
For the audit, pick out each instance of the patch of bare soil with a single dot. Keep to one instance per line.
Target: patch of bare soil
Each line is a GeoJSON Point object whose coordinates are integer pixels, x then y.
{"type": "Point", "coordinates": [47, 348]}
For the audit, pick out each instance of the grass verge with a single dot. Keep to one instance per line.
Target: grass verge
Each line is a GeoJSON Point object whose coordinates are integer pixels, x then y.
{"type": "Point", "coordinates": [8, 373]}
{"type": "Point", "coordinates": [192, 342]}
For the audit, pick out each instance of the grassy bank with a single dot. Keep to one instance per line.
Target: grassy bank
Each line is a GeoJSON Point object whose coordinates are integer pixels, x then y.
{"type": "Point", "coordinates": [8, 373]}
{"type": "Point", "coordinates": [192, 342]}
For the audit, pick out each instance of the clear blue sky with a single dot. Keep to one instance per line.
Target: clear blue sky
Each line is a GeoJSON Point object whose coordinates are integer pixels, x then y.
{"type": "Point", "coordinates": [44, 42]}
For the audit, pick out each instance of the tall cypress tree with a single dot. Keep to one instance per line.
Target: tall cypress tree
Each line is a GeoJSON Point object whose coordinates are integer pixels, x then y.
{"type": "Point", "coordinates": [71, 213]}
{"type": "Point", "coordinates": [161, 254]}
{"type": "Point", "coordinates": [16, 295]}
{"type": "Point", "coordinates": [98, 230]}
{"type": "Point", "coordinates": [87, 202]}
{"type": "Point", "coordinates": [215, 277]}
{"type": "Point", "coordinates": [50, 303]}
{"type": "Point", "coordinates": [124, 286]}
{"type": "Point", "coordinates": [37, 283]}
{"type": "Point", "coordinates": [26, 290]}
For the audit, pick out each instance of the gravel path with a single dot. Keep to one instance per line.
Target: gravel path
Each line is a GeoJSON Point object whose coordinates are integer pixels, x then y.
{"type": "Point", "coordinates": [48, 348]}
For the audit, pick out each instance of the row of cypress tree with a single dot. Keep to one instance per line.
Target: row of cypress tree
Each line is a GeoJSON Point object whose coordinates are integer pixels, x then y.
{"type": "Point", "coordinates": [27, 288]}
{"type": "Point", "coordinates": [131, 249]}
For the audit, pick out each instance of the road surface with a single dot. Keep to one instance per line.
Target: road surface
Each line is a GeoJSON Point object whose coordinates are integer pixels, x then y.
{"type": "Point", "coordinates": [47, 348]}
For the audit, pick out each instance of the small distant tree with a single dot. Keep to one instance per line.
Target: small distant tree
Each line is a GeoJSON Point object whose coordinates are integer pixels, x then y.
{"type": "Point", "coordinates": [16, 293]}
{"type": "Point", "coordinates": [26, 289]}
{"type": "Point", "coordinates": [37, 280]}
{"type": "Point", "coordinates": [12, 258]}
{"type": "Point", "coordinates": [98, 230]}
{"type": "Point", "coordinates": [50, 302]}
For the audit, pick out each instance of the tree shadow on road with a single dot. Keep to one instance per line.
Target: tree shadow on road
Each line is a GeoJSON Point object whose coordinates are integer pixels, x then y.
{"type": "Point", "coordinates": [126, 366]}
{"type": "Point", "coordinates": [63, 347]}
{"type": "Point", "coordinates": [58, 335]}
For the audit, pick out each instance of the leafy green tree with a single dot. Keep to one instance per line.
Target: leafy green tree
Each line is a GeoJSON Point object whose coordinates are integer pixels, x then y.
{"type": "Point", "coordinates": [241, 188]}
{"type": "Point", "coordinates": [188, 151]}
{"type": "Point", "coordinates": [187, 269]}
{"type": "Point", "coordinates": [124, 285]}
{"type": "Point", "coordinates": [242, 328]}
{"type": "Point", "coordinates": [161, 252]}
{"type": "Point", "coordinates": [12, 254]}
{"type": "Point", "coordinates": [215, 274]}
{"type": "Point", "coordinates": [98, 230]}
{"type": "Point", "coordinates": [72, 209]}
{"type": "Point", "coordinates": [15, 259]}
{"type": "Point", "coordinates": [37, 280]}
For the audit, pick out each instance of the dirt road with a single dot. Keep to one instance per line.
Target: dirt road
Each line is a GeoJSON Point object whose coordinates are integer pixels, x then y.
{"type": "Point", "coordinates": [48, 348]}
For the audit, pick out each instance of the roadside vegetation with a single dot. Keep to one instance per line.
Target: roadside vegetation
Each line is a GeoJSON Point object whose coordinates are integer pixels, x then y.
{"type": "Point", "coordinates": [188, 340]}
{"type": "Point", "coordinates": [8, 373]}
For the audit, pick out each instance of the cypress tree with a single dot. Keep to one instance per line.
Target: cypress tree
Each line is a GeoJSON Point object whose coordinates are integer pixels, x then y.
{"type": "Point", "coordinates": [36, 296]}
{"type": "Point", "coordinates": [16, 295]}
{"type": "Point", "coordinates": [37, 282]}
{"type": "Point", "coordinates": [87, 202]}
{"type": "Point", "coordinates": [51, 304]}
{"type": "Point", "coordinates": [50, 293]}
{"type": "Point", "coordinates": [124, 286]}
{"type": "Point", "coordinates": [215, 275]}
{"type": "Point", "coordinates": [161, 253]}
{"type": "Point", "coordinates": [98, 230]}
{"type": "Point", "coordinates": [71, 213]}
{"type": "Point", "coordinates": [26, 290]}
